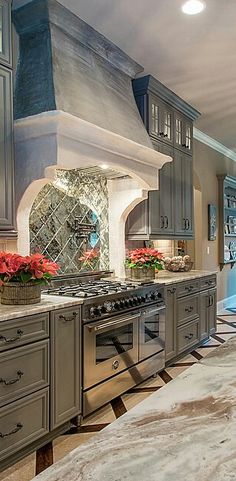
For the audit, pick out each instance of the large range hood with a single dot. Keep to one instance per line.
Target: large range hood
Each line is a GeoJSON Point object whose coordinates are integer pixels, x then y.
{"type": "Point", "coordinates": [73, 97]}
{"type": "Point", "coordinates": [74, 108]}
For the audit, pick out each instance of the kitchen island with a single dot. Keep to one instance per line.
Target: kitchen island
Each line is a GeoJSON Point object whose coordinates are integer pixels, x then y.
{"type": "Point", "coordinates": [185, 431]}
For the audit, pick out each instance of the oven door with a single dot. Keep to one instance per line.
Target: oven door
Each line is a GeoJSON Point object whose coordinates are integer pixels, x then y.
{"type": "Point", "coordinates": [110, 346]}
{"type": "Point", "coordinates": [152, 331]}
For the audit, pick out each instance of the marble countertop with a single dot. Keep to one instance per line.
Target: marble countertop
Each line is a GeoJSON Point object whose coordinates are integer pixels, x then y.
{"type": "Point", "coordinates": [167, 277]}
{"type": "Point", "coordinates": [186, 431]}
{"type": "Point", "coordinates": [48, 303]}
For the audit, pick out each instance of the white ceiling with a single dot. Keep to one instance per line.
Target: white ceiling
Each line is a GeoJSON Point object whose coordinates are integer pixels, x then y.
{"type": "Point", "coordinates": [193, 55]}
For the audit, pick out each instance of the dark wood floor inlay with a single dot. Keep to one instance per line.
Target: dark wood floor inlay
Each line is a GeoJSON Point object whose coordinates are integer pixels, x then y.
{"type": "Point", "coordinates": [183, 364]}
{"type": "Point", "coordinates": [44, 458]}
{"type": "Point", "coordinates": [197, 355]}
{"type": "Point", "coordinates": [165, 376]}
{"type": "Point", "coordinates": [136, 390]}
{"type": "Point", "coordinates": [118, 407]}
{"type": "Point", "coordinates": [218, 338]}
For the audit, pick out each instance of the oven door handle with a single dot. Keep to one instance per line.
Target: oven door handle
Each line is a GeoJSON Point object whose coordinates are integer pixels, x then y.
{"type": "Point", "coordinates": [114, 323]}
{"type": "Point", "coordinates": [151, 312]}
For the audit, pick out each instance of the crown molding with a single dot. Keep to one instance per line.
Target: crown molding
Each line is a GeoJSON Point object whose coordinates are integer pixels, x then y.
{"type": "Point", "coordinates": [214, 144]}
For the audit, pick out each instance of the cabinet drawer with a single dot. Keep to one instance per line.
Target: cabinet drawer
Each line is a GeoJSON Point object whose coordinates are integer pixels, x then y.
{"type": "Point", "coordinates": [187, 308]}
{"type": "Point", "coordinates": [186, 288]}
{"type": "Point", "coordinates": [23, 371]}
{"type": "Point", "coordinates": [207, 282]}
{"type": "Point", "coordinates": [23, 422]}
{"type": "Point", "coordinates": [188, 335]}
{"type": "Point", "coordinates": [18, 332]}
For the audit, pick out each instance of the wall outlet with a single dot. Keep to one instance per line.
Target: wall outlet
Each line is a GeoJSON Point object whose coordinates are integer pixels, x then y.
{"type": "Point", "coordinates": [208, 250]}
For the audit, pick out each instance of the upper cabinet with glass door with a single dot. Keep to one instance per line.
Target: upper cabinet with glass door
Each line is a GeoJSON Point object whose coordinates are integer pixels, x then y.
{"type": "Point", "coordinates": [183, 133]}
{"type": "Point", "coordinates": [5, 33]}
{"type": "Point", "coordinates": [166, 116]}
{"type": "Point", "coordinates": [161, 119]}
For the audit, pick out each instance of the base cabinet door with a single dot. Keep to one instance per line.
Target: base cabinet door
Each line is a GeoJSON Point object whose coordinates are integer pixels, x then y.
{"type": "Point", "coordinates": [212, 312]}
{"type": "Point", "coordinates": [204, 306]}
{"type": "Point", "coordinates": [65, 366]}
{"type": "Point", "coordinates": [170, 342]}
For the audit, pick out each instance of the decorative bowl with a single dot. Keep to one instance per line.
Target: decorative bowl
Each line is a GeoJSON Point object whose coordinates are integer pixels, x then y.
{"type": "Point", "coordinates": [176, 268]}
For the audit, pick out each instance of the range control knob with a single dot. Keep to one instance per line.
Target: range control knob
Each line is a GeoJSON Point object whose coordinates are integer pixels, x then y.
{"type": "Point", "coordinates": [131, 302]}
{"type": "Point", "coordinates": [127, 304]}
{"type": "Point", "coordinates": [95, 311]}
{"type": "Point", "coordinates": [153, 296]}
{"type": "Point", "coordinates": [108, 306]}
{"type": "Point", "coordinates": [117, 305]}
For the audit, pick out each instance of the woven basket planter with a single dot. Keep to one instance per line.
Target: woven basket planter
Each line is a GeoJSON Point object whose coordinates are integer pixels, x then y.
{"type": "Point", "coordinates": [140, 273]}
{"type": "Point", "coordinates": [19, 293]}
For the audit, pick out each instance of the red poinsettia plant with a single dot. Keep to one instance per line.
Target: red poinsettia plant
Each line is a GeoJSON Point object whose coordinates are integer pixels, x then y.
{"type": "Point", "coordinates": [34, 268]}
{"type": "Point", "coordinates": [145, 257]}
{"type": "Point", "coordinates": [89, 256]}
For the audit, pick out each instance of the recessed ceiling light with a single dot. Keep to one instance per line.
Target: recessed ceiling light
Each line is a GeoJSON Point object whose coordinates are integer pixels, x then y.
{"type": "Point", "coordinates": [104, 166]}
{"type": "Point", "coordinates": [192, 7]}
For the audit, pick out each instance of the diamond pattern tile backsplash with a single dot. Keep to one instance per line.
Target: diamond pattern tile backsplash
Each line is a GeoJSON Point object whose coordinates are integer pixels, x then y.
{"type": "Point", "coordinates": [69, 221]}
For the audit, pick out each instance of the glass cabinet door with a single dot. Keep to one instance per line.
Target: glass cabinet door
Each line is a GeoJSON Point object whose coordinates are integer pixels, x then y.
{"type": "Point", "coordinates": [168, 124]}
{"type": "Point", "coordinates": [188, 136]}
{"type": "Point", "coordinates": [155, 126]}
{"type": "Point", "coordinates": [5, 33]}
{"type": "Point", "coordinates": [179, 129]}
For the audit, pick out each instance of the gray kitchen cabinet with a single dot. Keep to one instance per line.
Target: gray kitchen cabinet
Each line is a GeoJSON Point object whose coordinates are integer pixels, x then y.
{"type": "Point", "coordinates": [161, 202]}
{"type": "Point", "coordinates": [5, 33]}
{"type": "Point", "coordinates": [208, 313]}
{"type": "Point", "coordinates": [204, 306]}
{"type": "Point", "coordinates": [190, 315]}
{"type": "Point", "coordinates": [169, 122]}
{"type": "Point", "coordinates": [40, 382]}
{"type": "Point", "coordinates": [212, 312]}
{"type": "Point", "coordinates": [168, 212]}
{"type": "Point", "coordinates": [183, 166]}
{"type": "Point", "coordinates": [65, 366]}
{"type": "Point", "coordinates": [23, 422]}
{"type": "Point", "coordinates": [170, 342]}
{"type": "Point", "coordinates": [6, 154]}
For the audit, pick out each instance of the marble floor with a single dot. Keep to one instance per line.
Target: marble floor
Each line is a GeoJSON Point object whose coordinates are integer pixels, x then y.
{"type": "Point", "coordinates": [25, 469]}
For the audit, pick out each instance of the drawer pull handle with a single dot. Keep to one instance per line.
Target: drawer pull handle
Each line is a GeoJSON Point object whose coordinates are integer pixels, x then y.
{"type": "Point", "coordinates": [18, 427]}
{"type": "Point", "coordinates": [188, 336]}
{"type": "Point", "coordinates": [12, 381]}
{"type": "Point", "coordinates": [172, 291]}
{"type": "Point", "coordinates": [189, 288]}
{"type": "Point", "coordinates": [115, 365]}
{"type": "Point", "coordinates": [7, 340]}
{"type": "Point", "coordinates": [189, 309]}
{"type": "Point", "coordinates": [68, 319]}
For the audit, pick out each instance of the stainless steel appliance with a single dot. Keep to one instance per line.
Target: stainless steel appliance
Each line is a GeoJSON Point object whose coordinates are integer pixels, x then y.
{"type": "Point", "coordinates": [123, 336]}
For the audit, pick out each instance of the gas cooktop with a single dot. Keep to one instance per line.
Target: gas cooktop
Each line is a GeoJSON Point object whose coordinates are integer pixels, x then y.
{"type": "Point", "coordinates": [92, 289]}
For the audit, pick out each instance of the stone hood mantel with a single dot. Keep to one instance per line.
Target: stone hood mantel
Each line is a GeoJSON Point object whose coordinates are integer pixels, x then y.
{"type": "Point", "coordinates": [59, 139]}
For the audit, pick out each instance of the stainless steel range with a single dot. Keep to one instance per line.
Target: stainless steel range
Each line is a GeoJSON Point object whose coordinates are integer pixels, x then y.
{"type": "Point", "coordinates": [123, 336]}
